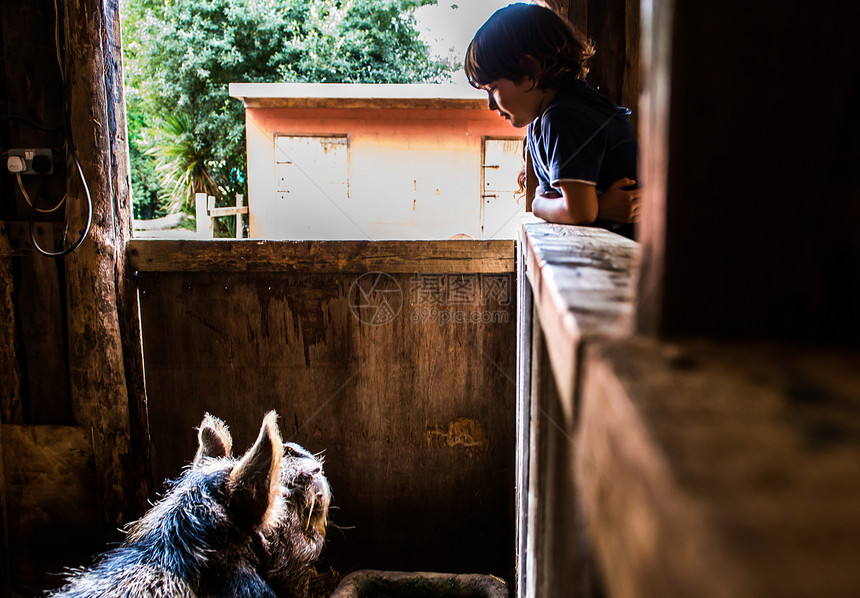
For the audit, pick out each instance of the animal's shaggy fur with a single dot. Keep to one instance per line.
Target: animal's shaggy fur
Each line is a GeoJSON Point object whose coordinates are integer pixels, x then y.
{"type": "Point", "coordinates": [247, 527]}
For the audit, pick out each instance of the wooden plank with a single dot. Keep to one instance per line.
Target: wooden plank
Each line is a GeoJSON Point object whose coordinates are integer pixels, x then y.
{"type": "Point", "coordinates": [43, 336]}
{"type": "Point", "coordinates": [422, 392]}
{"type": "Point", "coordinates": [577, 13]}
{"type": "Point", "coordinates": [523, 582]}
{"type": "Point", "coordinates": [5, 562]}
{"type": "Point", "coordinates": [607, 30]}
{"type": "Point", "coordinates": [214, 212]}
{"type": "Point", "coordinates": [54, 520]}
{"type": "Point", "coordinates": [722, 469]}
{"type": "Point", "coordinates": [10, 374]}
{"type": "Point", "coordinates": [558, 565]}
{"type": "Point", "coordinates": [240, 201]}
{"type": "Point", "coordinates": [630, 78]}
{"type": "Point", "coordinates": [227, 255]}
{"type": "Point", "coordinates": [433, 104]}
{"type": "Point", "coordinates": [581, 278]}
{"type": "Point", "coordinates": [19, 233]}
{"type": "Point", "coordinates": [531, 182]}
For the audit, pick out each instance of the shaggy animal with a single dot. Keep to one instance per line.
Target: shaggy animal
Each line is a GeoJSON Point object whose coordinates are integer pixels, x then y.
{"type": "Point", "coordinates": [246, 527]}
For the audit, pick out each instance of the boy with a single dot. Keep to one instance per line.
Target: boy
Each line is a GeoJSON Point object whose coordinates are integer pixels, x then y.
{"type": "Point", "coordinates": [532, 64]}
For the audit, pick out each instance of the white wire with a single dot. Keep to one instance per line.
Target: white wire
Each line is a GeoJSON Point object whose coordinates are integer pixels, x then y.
{"type": "Point", "coordinates": [73, 152]}
{"type": "Point", "coordinates": [86, 230]}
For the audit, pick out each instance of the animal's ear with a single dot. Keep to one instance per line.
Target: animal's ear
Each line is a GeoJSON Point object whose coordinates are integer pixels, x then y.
{"type": "Point", "coordinates": [213, 439]}
{"type": "Point", "coordinates": [255, 482]}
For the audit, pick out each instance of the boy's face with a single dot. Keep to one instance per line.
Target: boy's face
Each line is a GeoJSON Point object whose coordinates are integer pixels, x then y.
{"type": "Point", "coordinates": [520, 102]}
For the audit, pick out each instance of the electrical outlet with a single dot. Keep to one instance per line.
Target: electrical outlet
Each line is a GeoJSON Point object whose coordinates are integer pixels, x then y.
{"type": "Point", "coordinates": [30, 161]}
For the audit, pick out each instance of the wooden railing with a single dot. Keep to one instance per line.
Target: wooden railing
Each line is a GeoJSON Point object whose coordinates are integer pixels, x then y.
{"type": "Point", "coordinates": [206, 213]}
{"type": "Point", "coordinates": [695, 467]}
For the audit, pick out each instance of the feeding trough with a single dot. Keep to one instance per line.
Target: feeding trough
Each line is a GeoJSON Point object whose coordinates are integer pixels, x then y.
{"type": "Point", "coordinates": [369, 583]}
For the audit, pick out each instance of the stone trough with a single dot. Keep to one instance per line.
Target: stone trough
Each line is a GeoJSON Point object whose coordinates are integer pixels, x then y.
{"type": "Point", "coordinates": [369, 583]}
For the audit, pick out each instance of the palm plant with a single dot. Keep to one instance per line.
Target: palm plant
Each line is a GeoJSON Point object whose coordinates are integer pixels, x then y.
{"type": "Point", "coordinates": [181, 163]}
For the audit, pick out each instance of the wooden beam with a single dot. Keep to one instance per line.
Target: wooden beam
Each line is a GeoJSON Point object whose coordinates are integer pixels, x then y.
{"type": "Point", "coordinates": [94, 273]}
{"type": "Point", "coordinates": [722, 469]}
{"type": "Point", "coordinates": [654, 163]}
{"type": "Point", "coordinates": [607, 29]}
{"type": "Point", "coordinates": [139, 479]}
{"type": "Point", "coordinates": [227, 255]}
{"type": "Point", "coordinates": [576, 12]}
{"type": "Point", "coordinates": [10, 375]}
{"type": "Point", "coordinates": [737, 254]}
{"type": "Point", "coordinates": [581, 279]}
{"type": "Point", "coordinates": [215, 212]}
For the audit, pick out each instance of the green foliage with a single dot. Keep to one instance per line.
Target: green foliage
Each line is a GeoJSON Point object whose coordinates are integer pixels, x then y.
{"type": "Point", "coordinates": [181, 55]}
{"type": "Point", "coordinates": [181, 162]}
{"type": "Point", "coordinates": [362, 41]}
{"type": "Point", "coordinates": [144, 181]}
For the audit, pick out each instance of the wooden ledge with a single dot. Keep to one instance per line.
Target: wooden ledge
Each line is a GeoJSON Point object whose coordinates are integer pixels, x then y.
{"type": "Point", "coordinates": [581, 278]}
{"type": "Point", "coordinates": [458, 256]}
{"type": "Point", "coordinates": [360, 95]}
{"type": "Point", "coordinates": [721, 470]}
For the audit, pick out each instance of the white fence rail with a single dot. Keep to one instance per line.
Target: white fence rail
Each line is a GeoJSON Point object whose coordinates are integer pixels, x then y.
{"type": "Point", "coordinates": [207, 212]}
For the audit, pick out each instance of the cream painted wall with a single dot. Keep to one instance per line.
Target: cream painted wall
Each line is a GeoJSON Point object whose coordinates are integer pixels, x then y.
{"type": "Point", "coordinates": [414, 173]}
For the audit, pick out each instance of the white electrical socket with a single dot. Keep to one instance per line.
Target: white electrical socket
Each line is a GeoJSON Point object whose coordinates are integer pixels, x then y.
{"type": "Point", "coordinates": [19, 157]}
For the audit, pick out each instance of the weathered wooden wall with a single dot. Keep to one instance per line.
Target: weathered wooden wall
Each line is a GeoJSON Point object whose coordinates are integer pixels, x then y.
{"type": "Point", "coordinates": [414, 416]}
{"type": "Point", "coordinates": [613, 27]}
{"type": "Point", "coordinates": [69, 355]}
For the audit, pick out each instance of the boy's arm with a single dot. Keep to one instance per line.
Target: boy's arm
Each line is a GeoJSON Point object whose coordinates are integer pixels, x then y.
{"type": "Point", "coordinates": [618, 205]}
{"type": "Point", "coordinates": [577, 204]}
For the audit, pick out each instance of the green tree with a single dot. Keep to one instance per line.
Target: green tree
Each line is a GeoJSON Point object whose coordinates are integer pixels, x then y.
{"type": "Point", "coordinates": [182, 54]}
{"type": "Point", "coordinates": [144, 179]}
{"type": "Point", "coordinates": [181, 161]}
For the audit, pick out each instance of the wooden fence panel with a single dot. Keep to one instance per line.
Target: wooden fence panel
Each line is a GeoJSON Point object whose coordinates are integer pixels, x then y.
{"type": "Point", "coordinates": [406, 381]}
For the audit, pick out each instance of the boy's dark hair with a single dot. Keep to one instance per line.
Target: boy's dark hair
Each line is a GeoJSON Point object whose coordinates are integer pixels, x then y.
{"type": "Point", "coordinates": [517, 30]}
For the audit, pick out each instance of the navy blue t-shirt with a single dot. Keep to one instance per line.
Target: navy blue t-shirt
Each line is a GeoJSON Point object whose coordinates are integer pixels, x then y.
{"type": "Point", "coordinates": [583, 136]}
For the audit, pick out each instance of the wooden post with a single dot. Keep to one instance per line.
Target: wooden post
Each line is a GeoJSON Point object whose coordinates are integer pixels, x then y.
{"type": "Point", "coordinates": [531, 181]}
{"type": "Point", "coordinates": [524, 562]}
{"type": "Point", "coordinates": [9, 391]}
{"type": "Point", "coordinates": [728, 252]}
{"type": "Point", "coordinates": [95, 277]}
{"type": "Point", "coordinates": [139, 481]}
{"type": "Point", "coordinates": [205, 227]}
{"type": "Point", "coordinates": [240, 201]}
{"type": "Point", "coordinates": [10, 378]}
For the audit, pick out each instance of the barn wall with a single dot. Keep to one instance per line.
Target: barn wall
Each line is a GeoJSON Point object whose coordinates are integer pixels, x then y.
{"type": "Point", "coordinates": [66, 326]}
